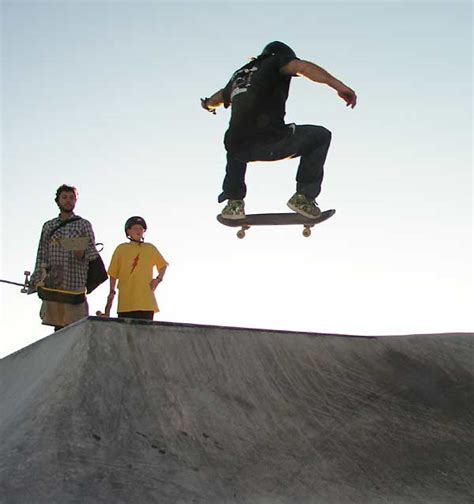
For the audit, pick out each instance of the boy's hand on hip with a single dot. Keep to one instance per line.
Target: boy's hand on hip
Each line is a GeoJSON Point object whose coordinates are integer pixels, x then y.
{"type": "Point", "coordinates": [154, 283]}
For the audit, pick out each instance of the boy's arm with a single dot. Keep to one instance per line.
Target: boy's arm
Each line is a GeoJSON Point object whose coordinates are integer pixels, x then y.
{"type": "Point", "coordinates": [214, 102]}
{"type": "Point", "coordinates": [317, 74]}
{"type": "Point", "coordinates": [113, 272]}
{"type": "Point", "coordinates": [161, 273]}
{"type": "Point", "coordinates": [112, 283]}
{"type": "Point", "coordinates": [110, 298]}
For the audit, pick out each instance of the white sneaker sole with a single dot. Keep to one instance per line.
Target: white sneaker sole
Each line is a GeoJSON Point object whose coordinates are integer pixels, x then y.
{"type": "Point", "coordinates": [233, 217]}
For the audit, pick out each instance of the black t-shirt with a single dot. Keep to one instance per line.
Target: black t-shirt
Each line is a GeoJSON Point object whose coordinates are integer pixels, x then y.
{"type": "Point", "coordinates": [257, 92]}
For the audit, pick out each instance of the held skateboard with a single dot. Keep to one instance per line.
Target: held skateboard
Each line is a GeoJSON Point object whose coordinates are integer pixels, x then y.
{"type": "Point", "coordinates": [275, 219]}
{"type": "Point", "coordinates": [25, 285]}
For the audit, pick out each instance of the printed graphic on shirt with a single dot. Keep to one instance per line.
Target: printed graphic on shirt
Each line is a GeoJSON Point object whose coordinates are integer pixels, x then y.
{"type": "Point", "coordinates": [242, 80]}
{"type": "Point", "coordinates": [135, 263]}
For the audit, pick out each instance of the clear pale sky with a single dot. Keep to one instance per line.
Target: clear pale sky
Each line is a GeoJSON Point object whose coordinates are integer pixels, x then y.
{"type": "Point", "coordinates": [105, 96]}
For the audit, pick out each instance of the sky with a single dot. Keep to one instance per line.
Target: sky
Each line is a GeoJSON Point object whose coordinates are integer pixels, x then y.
{"type": "Point", "coordinates": [105, 96]}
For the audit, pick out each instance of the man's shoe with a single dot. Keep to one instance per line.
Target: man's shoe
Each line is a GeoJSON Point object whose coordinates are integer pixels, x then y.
{"type": "Point", "coordinates": [234, 210]}
{"type": "Point", "coordinates": [299, 203]}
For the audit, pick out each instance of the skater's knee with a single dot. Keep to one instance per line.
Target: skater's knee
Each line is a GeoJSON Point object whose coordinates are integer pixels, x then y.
{"type": "Point", "coordinates": [319, 135]}
{"type": "Point", "coordinates": [324, 134]}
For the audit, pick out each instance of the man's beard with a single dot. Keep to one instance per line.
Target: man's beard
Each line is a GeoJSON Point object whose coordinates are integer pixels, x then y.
{"type": "Point", "coordinates": [68, 209]}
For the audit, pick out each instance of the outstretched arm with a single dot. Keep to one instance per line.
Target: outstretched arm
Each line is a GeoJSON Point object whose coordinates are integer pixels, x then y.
{"type": "Point", "coordinates": [317, 74]}
{"type": "Point", "coordinates": [214, 102]}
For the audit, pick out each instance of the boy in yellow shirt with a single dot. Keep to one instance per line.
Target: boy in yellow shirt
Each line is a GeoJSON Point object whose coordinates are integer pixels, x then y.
{"type": "Point", "coordinates": [132, 265]}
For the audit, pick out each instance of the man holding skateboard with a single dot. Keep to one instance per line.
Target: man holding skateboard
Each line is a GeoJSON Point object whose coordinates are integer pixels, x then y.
{"type": "Point", "coordinates": [257, 93]}
{"type": "Point", "coordinates": [66, 246]}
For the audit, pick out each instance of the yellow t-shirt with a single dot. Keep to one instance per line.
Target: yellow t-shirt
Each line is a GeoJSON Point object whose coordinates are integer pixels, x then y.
{"type": "Point", "coordinates": [132, 264]}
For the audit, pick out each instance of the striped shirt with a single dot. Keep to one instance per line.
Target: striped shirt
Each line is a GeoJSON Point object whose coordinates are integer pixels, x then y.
{"type": "Point", "coordinates": [64, 270]}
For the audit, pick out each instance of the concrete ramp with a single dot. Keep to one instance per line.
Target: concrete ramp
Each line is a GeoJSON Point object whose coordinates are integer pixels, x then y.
{"type": "Point", "coordinates": [109, 411]}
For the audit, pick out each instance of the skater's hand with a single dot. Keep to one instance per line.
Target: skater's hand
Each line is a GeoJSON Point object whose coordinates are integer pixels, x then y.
{"type": "Point", "coordinates": [206, 106]}
{"type": "Point", "coordinates": [348, 95]}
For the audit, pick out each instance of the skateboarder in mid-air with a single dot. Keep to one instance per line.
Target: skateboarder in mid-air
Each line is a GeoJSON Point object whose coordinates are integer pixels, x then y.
{"type": "Point", "coordinates": [257, 93]}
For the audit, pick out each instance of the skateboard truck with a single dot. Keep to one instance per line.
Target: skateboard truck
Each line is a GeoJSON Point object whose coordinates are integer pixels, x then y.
{"type": "Point", "coordinates": [306, 231]}
{"type": "Point", "coordinates": [241, 232]}
{"type": "Point", "coordinates": [24, 285]}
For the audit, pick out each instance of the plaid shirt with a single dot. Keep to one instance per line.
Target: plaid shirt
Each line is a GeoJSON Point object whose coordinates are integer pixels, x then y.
{"type": "Point", "coordinates": [64, 270]}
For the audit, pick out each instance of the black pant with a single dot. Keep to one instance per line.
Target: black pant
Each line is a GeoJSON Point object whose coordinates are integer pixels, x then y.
{"type": "Point", "coordinates": [311, 143]}
{"type": "Point", "coordinates": [142, 315]}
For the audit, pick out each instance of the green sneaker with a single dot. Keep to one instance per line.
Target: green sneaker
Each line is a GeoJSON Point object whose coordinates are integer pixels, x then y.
{"type": "Point", "coordinates": [299, 203]}
{"type": "Point", "coordinates": [234, 210]}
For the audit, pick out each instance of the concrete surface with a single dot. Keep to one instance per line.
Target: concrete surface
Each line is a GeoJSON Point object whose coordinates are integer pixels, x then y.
{"type": "Point", "coordinates": [108, 411]}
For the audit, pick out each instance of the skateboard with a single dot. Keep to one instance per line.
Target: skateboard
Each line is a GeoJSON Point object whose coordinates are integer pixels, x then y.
{"type": "Point", "coordinates": [24, 285]}
{"type": "Point", "coordinates": [275, 219]}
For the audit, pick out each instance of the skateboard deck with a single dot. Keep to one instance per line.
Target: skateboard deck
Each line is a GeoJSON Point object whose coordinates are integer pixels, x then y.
{"type": "Point", "coordinates": [275, 219]}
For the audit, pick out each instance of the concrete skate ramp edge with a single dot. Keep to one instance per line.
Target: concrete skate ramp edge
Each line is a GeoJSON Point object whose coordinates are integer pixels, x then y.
{"type": "Point", "coordinates": [107, 411]}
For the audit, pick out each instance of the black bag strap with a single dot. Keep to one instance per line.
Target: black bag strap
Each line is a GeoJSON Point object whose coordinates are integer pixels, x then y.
{"type": "Point", "coordinates": [63, 223]}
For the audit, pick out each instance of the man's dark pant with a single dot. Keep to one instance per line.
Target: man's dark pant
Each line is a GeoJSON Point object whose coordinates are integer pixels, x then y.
{"type": "Point", "coordinates": [311, 143]}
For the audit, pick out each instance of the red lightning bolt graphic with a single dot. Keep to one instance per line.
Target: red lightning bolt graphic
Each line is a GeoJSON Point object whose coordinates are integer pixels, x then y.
{"type": "Point", "coordinates": [135, 262]}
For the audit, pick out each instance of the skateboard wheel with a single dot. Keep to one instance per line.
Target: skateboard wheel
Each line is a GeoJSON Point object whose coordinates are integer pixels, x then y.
{"type": "Point", "coordinates": [306, 232]}
{"type": "Point", "coordinates": [240, 233]}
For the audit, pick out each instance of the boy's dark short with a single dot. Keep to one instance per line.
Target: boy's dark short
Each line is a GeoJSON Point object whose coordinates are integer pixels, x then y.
{"type": "Point", "coordinates": [142, 315]}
